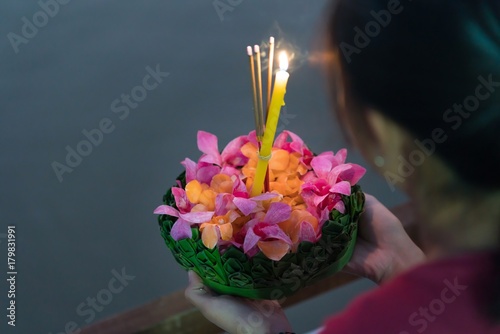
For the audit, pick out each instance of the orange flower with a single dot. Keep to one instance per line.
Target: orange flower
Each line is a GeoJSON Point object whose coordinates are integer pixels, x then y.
{"type": "Point", "coordinates": [222, 183]}
{"type": "Point", "coordinates": [274, 249]}
{"type": "Point", "coordinates": [218, 227]}
{"type": "Point", "coordinates": [204, 195]}
{"type": "Point", "coordinates": [294, 226]}
{"type": "Point", "coordinates": [200, 193]}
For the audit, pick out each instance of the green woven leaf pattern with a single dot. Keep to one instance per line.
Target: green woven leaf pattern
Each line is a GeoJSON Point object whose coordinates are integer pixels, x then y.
{"type": "Point", "coordinates": [240, 280]}
{"type": "Point", "coordinates": [259, 277]}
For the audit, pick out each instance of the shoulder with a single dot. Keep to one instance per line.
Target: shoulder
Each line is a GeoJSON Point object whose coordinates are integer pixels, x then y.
{"type": "Point", "coordinates": [437, 296]}
{"type": "Point", "coordinates": [386, 308]}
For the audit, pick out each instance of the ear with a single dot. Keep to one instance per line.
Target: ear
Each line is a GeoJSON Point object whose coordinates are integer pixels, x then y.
{"type": "Point", "coordinates": [389, 144]}
{"type": "Point", "coordinates": [388, 135]}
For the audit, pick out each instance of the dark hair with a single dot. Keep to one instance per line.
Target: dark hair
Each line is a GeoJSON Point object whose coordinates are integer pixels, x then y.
{"type": "Point", "coordinates": [416, 62]}
{"type": "Point", "coordinates": [430, 56]}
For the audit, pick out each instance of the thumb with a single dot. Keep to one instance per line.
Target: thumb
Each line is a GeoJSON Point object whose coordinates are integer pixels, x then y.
{"type": "Point", "coordinates": [196, 292]}
{"type": "Point", "coordinates": [194, 280]}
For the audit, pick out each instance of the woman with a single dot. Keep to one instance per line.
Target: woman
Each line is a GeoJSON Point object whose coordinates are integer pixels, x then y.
{"type": "Point", "coordinates": [417, 85]}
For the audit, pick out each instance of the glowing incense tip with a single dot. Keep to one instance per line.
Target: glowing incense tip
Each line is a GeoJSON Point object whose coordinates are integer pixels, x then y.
{"type": "Point", "coordinates": [256, 48]}
{"type": "Point", "coordinates": [271, 39]}
{"type": "Point", "coordinates": [249, 50]}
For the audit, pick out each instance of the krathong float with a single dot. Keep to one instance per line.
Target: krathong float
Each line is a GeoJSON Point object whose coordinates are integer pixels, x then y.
{"type": "Point", "coordinates": [265, 216]}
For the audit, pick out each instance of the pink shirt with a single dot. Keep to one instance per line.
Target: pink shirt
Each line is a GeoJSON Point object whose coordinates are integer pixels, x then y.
{"type": "Point", "coordinates": [444, 296]}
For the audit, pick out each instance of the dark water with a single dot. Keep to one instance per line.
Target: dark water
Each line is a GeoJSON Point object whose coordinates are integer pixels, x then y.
{"type": "Point", "coordinates": [74, 231]}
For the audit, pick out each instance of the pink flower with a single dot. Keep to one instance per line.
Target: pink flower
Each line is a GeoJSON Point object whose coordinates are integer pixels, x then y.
{"type": "Point", "coordinates": [265, 234]}
{"type": "Point", "coordinates": [231, 155]}
{"type": "Point", "coordinates": [254, 204]}
{"type": "Point", "coordinates": [207, 143]}
{"type": "Point", "coordinates": [296, 145]}
{"type": "Point", "coordinates": [212, 162]}
{"type": "Point", "coordinates": [201, 171]}
{"type": "Point", "coordinates": [321, 195]}
{"type": "Point", "coordinates": [181, 201]}
{"type": "Point", "coordinates": [182, 226]}
{"type": "Point", "coordinates": [331, 179]}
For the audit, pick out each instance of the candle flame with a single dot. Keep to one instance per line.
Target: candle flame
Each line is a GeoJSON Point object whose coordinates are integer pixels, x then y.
{"type": "Point", "coordinates": [283, 60]}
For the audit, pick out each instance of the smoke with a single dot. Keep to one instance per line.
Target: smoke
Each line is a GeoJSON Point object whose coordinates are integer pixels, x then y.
{"type": "Point", "coordinates": [297, 57]}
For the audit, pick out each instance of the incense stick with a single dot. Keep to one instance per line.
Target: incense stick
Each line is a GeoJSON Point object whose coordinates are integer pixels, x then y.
{"type": "Point", "coordinates": [254, 91]}
{"type": "Point", "coordinates": [270, 73]}
{"type": "Point", "coordinates": [267, 182]}
{"type": "Point", "coordinates": [259, 92]}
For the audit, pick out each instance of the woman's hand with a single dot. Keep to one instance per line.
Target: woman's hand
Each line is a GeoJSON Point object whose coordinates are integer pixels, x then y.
{"type": "Point", "coordinates": [234, 314]}
{"type": "Point", "coordinates": [383, 248]}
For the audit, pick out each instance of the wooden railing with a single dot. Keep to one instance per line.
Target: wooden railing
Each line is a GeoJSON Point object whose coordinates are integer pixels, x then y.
{"type": "Point", "coordinates": [173, 314]}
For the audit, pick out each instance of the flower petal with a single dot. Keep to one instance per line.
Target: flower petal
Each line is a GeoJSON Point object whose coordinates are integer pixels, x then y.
{"type": "Point", "coordinates": [166, 210]}
{"type": "Point", "coordinates": [306, 232]}
{"type": "Point", "coordinates": [323, 216]}
{"type": "Point", "coordinates": [322, 166]}
{"type": "Point", "coordinates": [246, 206]}
{"type": "Point", "coordinates": [274, 250]}
{"type": "Point", "coordinates": [233, 215]}
{"type": "Point", "coordinates": [343, 187]}
{"type": "Point", "coordinates": [207, 143]}
{"type": "Point", "coordinates": [318, 199]}
{"type": "Point", "coordinates": [340, 157]}
{"type": "Point", "coordinates": [223, 203]}
{"type": "Point", "coordinates": [239, 188]}
{"type": "Point", "coordinates": [232, 152]}
{"type": "Point", "coordinates": [230, 170]}
{"type": "Point", "coordinates": [197, 217]}
{"type": "Point", "coordinates": [252, 137]}
{"type": "Point", "coordinates": [281, 140]}
{"type": "Point", "coordinates": [297, 142]}
{"type": "Point", "coordinates": [339, 206]}
{"type": "Point", "coordinates": [277, 213]}
{"type": "Point", "coordinates": [206, 173]}
{"type": "Point", "coordinates": [264, 197]}
{"type": "Point", "coordinates": [181, 230]}
{"type": "Point", "coordinates": [210, 236]}
{"type": "Point", "coordinates": [354, 174]}
{"type": "Point", "coordinates": [181, 200]}
{"type": "Point", "coordinates": [226, 231]}
{"type": "Point", "coordinates": [280, 160]}
{"type": "Point", "coordinates": [191, 167]}
{"type": "Point", "coordinates": [335, 172]}
{"type": "Point", "coordinates": [193, 191]}
{"type": "Point", "coordinates": [221, 183]}
{"type": "Point", "coordinates": [274, 232]}
{"type": "Point", "coordinates": [251, 240]}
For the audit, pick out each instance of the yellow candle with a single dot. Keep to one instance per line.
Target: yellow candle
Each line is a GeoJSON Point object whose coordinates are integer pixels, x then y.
{"type": "Point", "coordinates": [277, 101]}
